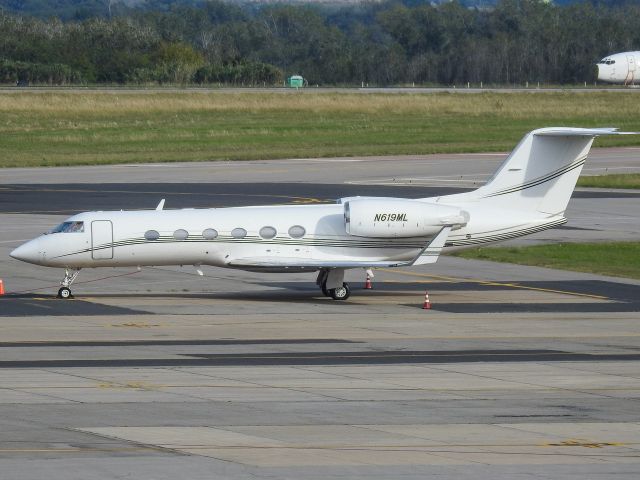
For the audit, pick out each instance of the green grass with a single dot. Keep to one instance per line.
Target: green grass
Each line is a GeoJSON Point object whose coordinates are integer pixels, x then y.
{"type": "Point", "coordinates": [623, 180]}
{"type": "Point", "coordinates": [619, 259]}
{"type": "Point", "coordinates": [67, 128]}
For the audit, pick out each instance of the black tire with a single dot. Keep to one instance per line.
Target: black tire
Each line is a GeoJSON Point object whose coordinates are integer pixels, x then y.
{"type": "Point", "coordinates": [340, 293]}
{"type": "Point", "coordinates": [64, 293]}
{"type": "Point", "coordinates": [325, 292]}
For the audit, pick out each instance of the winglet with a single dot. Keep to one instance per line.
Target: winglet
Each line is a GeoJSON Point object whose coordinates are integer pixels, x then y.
{"type": "Point", "coordinates": [160, 205]}
{"type": "Point", "coordinates": [431, 252]}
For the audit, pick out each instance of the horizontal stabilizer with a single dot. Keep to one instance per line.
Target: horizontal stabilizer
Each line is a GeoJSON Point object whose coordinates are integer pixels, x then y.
{"type": "Point", "coordinates": [578, 132]}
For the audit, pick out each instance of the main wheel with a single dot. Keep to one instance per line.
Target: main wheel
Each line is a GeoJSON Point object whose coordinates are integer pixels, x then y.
{"type": "Point", "coordinates": [340, 293]}
{"type": "Point", "coordinates": [64, 292]}
{"type": "Point", "coordinates": [325, 292]}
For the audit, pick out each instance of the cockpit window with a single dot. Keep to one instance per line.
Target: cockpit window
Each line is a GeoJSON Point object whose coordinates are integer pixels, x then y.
{"type": "Point", "coordinates": [606, 61]}
{"type": "Point", "coordinates": [69, 227]}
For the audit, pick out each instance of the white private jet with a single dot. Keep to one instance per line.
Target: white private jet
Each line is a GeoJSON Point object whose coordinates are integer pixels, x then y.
{"type": "Point", "coordinates": [619, 68]}
{"type": "Point", "coordinates": [528, 193]}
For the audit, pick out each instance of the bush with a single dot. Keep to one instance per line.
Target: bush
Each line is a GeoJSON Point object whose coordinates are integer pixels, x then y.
{"type": "Point", "coordinates": [12, 72]}
{"type": "Point", "coordinates": [246, 73]}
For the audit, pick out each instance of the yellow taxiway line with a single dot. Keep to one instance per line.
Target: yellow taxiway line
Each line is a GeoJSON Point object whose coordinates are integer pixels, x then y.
{"type": "Point", "coordinates": [495, 284]}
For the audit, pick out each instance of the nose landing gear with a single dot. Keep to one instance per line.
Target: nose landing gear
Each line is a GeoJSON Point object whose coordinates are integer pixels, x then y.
{"type": "Point", "coordinates": [64, 292]}
{"type": "Point", "coordinates": [70, 275]}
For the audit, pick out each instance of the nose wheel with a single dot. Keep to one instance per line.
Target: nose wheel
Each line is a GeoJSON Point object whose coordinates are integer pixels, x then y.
{"type": "Point", "coordinates": [64, 292]}
{"type": "Point", "coordinates": [70, 275]}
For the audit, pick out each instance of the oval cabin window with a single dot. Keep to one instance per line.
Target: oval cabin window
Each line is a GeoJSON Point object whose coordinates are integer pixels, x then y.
{"type": "Point", "coordinates": [151, 235]}
{"type": "Point", "coordinates": [297, 231]}
{"type": "Point", "coordinates": [180, 234]}
{"type": "Point", "coordinates": [268, 232]}
{"type": "Point", "coordinates": [238, 233]}
{"type": "Point", "coordinates": [210, 234]}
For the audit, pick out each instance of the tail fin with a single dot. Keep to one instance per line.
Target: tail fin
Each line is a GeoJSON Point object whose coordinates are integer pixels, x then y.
{"type": "Point", "coordinates": [541, 172]}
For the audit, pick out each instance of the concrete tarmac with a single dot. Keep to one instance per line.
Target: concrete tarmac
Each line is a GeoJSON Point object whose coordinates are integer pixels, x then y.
{"type": "Point", "coordinates": [468, 170]}
{"type": "Point", "coordinates": [515, 372]}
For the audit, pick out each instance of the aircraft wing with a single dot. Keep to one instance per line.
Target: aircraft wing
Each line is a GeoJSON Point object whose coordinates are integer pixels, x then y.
{"type": "Point", "coordinates": [429, 254]}
{"type": "Point", "coordinates": [303, 263]}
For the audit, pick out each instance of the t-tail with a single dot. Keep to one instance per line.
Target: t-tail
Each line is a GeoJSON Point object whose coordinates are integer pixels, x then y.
{"type": "Point", "coordinates": [531, 189]}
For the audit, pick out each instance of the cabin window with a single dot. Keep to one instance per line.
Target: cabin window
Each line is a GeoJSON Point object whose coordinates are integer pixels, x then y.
{"type": "Point", "coordinates": [180, 234]}
{"type": "Point", "coordinates": [268, 232]}
{"type": "Point", "coordinates": [151, 235]}
{"type": "Point", "coordinates": [238, 233]}
{"type": "Point", "coordinates": [297, 231]}
{"type": "Point", "coordinates": [210, 234]}
{"type": "Point", "coordinates": [69, 227]}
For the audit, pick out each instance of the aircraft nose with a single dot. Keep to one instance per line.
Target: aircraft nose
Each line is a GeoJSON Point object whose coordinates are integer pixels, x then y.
{"type": "Point", "coordinates": [27, 252]}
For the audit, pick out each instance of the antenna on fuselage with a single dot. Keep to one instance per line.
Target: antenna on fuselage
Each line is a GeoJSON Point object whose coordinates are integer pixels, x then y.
{"type": "Point", "coordinates": [160, 205]}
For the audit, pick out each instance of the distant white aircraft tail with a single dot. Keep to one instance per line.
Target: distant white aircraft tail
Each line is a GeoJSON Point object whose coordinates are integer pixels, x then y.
{"type": "Point", "coordinates": [541, 173]}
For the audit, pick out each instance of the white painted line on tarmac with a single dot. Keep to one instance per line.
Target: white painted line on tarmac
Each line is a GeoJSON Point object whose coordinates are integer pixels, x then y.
{"type": "Point", "coordinates": [417, 181]}
{"type": "Point", "coordinates": [630, 167]}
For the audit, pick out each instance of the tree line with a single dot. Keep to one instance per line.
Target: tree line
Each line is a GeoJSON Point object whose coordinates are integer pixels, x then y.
{"type": "Point", "coordinates": [376, 43]}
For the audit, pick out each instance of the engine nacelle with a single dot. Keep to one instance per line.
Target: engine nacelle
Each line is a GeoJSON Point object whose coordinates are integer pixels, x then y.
{"type": "Point", "coordinates": [391, 217]}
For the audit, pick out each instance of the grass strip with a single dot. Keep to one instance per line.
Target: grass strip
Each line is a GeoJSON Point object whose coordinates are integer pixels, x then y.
{"type": "Point", "coordinates": [618, 259]}
{"type": "Point", "coordinates": [621, 180]}
{"type": "Point", "coordinates": [80, 128]}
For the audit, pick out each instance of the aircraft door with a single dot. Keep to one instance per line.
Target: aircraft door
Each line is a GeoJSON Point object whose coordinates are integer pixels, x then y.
{"type": "Point", "coordinates": [631, 60]}
{"type": "Point", "coordinates": [101, 240]}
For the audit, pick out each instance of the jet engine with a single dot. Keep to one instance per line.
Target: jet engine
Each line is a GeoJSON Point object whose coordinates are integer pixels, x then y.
{"type": "Point", "coordinates": [397, 218]}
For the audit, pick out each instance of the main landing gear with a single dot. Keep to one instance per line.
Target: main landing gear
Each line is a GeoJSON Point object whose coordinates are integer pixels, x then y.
{"type": "Point", "coordinates": [70, 275]}
{"type": "Point", "coordinates": [340, 293]}
{"type": "Point", "coordinates": [332, 285]}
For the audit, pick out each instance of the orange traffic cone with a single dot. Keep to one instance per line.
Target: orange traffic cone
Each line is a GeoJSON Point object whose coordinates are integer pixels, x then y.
{"type": "Point", "coordinates": [1, 287]}
{"type": "Point", "coordinates": [427, 303]}
{"type": "Point", "coordinates": [367, 284]}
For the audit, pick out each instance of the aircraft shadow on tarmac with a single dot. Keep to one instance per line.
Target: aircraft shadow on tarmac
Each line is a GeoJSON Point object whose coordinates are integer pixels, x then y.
{"type": "Point", "coordinates": [617, 297]}
{"type": "Point", "coordinates": [369, 357]}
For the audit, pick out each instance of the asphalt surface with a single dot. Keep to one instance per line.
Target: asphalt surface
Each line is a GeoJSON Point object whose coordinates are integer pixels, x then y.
{"type": "Point", "coordinates": [56, 198]}
{"type": "Point", "coordinates": [71, 198]}
{"type": "Point", "coordinates": [334, 358]}
{"type": "Point", "coordinates": [620, 298]}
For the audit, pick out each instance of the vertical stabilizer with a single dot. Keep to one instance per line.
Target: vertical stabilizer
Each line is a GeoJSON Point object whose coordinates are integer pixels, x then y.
{"type": "Point", "coordinates": [541, 172]}
{"type": "Point", "coordinates": [531, 189]}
